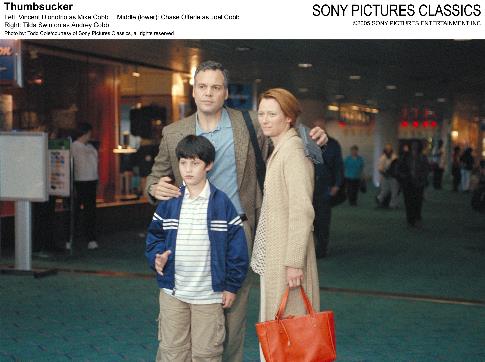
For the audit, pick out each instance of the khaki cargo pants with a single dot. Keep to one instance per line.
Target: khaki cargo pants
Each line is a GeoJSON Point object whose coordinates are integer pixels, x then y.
{"type": "Point", "coordinates": [189, 332]}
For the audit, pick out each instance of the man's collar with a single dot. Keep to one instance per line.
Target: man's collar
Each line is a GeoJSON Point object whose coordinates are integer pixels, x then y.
{"type": "Point", "coordinates": [224, 122]}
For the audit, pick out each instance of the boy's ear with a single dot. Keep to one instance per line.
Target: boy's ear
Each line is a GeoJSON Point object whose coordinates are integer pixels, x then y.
{"type": "Point", "coordinates": [209, 166]}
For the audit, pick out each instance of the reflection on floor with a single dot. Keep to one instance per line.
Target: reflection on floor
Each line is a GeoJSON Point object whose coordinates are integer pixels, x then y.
{"type": "Point", "coordinates": [109, 317]}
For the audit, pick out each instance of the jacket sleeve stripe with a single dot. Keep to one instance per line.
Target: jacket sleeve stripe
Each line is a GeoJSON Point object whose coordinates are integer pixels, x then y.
{"type": "Point", "coordinates": [157, 216]}
{"type": "Point", "coordinates": [236, 219]}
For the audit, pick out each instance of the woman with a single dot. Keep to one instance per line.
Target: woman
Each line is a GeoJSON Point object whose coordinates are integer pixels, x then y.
{"type": "Point", "coordinates": [284, 253]}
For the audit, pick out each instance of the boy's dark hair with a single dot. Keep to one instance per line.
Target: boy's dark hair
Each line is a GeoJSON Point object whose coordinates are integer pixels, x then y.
{"type": "Point", "coordinates": [196, 147]}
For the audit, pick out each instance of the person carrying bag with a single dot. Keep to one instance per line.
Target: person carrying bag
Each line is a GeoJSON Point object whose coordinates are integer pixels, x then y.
{"type": "Point", "coordinates": [306, 338]}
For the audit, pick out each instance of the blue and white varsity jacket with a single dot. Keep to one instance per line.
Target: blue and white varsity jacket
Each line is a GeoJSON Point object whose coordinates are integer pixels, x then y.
{"type": "Point", "coordinates": [228, 247]}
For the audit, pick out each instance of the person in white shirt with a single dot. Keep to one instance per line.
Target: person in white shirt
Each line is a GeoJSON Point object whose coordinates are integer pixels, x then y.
{"type": "Point", "coordinates": [389, 183]}
{"type": "Point", "coordinates": [85, 158]}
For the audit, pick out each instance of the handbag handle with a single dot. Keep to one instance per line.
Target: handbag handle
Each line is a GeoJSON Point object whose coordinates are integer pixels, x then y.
{"type": "Point", "coordinates": [284, 301]}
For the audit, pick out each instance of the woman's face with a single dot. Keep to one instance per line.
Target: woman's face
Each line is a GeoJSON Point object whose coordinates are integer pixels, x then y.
{"type": "Point", "coordinates": [273, 121]}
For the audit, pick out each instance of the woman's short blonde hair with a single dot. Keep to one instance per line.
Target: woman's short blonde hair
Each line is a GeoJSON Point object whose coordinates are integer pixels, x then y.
{"type": "Point", "coordinates": [287, 101]}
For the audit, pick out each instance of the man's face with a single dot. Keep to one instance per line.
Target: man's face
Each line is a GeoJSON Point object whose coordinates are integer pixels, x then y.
{"type": "Point", "coordinates": [209, 92]}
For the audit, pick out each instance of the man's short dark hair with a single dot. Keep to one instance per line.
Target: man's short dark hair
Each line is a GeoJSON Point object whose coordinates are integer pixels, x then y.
{"type": "Point", "coordinates": [83, 128]}
{"type": "Point", "coordinates": [196, 147]}
{"type": "Point", "coordinates": [212, 65]}
{"type": "Point", "coordinates": [354, 147]}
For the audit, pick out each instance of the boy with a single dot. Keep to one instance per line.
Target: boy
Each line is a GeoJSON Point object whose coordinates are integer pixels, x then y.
{"type": "Point", "coordinates": [196, 244]}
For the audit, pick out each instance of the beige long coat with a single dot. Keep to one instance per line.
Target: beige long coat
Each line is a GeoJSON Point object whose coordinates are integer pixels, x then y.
{"type": "Point", "coordinates": [289, 232]}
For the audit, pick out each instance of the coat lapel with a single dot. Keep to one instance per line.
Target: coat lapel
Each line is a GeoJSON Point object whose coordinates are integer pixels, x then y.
{"type": "Point", "coordinates": [289, 134]}
{"type": "Point", "coordinates": [241, 142]}
{"type": "Point", "coordinates": [188, 127]}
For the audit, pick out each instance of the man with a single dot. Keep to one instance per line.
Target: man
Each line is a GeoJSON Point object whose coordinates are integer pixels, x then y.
{"type": "Point", "coordinates": [413, 170]}
{"type": "Point", "coordinates": [234, 171]}
{"type": "Point", "coordinates": [438, 165]}
{"type": "Point", "coordinates": [329, 178]}
{"type": "Point", "coordinates": [389, 183]}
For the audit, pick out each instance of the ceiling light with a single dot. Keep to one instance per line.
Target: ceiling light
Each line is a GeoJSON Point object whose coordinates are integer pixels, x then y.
{"type": "Point", "coordinates": [305, 65]}
{"type": "Point", "coordinates": [354, 77]}
{"type": "Point", "coordinates": [441, 100]}
{"type": "Point", "coordinates": [258, 80]}
{"type": "Point", "coordinates": [331, 107]}
{"type": "Point", "coordinates": [391, 87]}
{"type": "Point", "coordinates": [243, 49]}
{"type": "Point", "coordinates": [454, 134]}
{"type": "Point", "coordinates": [136, 74]}
{"type": "Point", "coordinates": [303, 90]}
{"type": "Point", "coordinates": [339, 96]}
{"type": "Point", "coordinates": [419, 94]}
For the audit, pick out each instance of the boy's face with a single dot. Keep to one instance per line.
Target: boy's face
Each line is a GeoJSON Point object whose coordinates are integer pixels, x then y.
{"type": "Point", "coordinates": [194, 170]}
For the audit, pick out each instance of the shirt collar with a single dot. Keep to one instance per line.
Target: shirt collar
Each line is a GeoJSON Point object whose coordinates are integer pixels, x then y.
{"type": "Point", "coordinates": [205, 193]}
{"type": "Point", "coordinates": [224, 122]}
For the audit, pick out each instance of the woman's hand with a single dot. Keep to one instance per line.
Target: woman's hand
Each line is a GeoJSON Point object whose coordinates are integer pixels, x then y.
{"type": "Point", "coordinates": [294, 277]}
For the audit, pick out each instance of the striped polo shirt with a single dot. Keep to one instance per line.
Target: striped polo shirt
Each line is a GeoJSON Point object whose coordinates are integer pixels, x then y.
{"type": "Point", "coordinates": [193, 281]}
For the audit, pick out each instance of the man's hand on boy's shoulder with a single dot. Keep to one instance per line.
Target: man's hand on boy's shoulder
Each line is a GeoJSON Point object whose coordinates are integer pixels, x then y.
{"type": "Point", "coordinates": [228, 299]}
{"type": "Point", "coordinates": [160, 261]}
{"type": "Point", "coordinates": [164, 189]}
{"type": "Point", "coordinates": [319, 136]}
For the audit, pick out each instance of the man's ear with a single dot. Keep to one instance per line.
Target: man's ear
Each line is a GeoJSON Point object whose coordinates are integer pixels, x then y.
{"type": "Point", "coordinates": [227, 94]}
{"type": "Point", "coordinates": [209, 167]}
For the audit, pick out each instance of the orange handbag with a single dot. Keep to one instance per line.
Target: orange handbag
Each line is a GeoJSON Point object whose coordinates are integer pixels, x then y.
{"type": "Point", "coordinates": [306, 338]}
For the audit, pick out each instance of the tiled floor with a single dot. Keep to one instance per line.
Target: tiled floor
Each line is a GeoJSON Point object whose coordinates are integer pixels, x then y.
{"type": "Point", "coordinates": [81, 317]}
